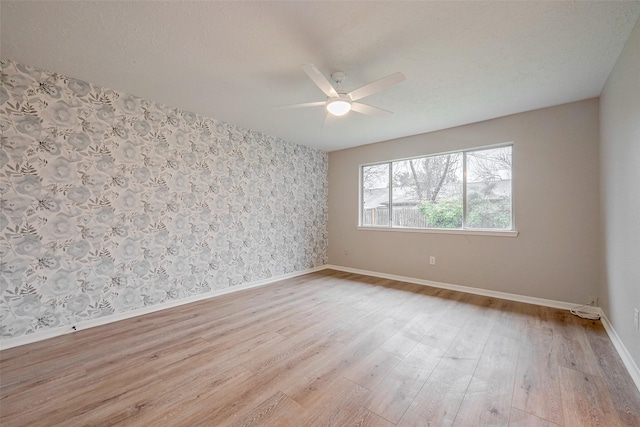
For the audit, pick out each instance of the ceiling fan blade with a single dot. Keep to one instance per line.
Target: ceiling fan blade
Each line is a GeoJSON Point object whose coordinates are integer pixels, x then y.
{"type": "Point", "coordinates": [306, 104]}
{"type": "Point", "coordinates": [329, 119]}
{"type": "Point", "coordinates": [320, 80]}
{"type": "Point", "coordinates": [369, 110]}
{"type": "Point", "coordinates": [377, 86]}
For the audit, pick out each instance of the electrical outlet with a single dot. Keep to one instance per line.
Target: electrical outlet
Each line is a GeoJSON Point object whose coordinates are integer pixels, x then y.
{"type": "Point", "coordinates": [593, 301]}
{"type": "Point", "coordinates": [432, 260]}
{"type": "Point", "coordinates": [346, 251]}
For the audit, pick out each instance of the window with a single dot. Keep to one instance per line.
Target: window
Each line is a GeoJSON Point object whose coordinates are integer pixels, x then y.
{"type": "Point", "coordinates": [463, 190]}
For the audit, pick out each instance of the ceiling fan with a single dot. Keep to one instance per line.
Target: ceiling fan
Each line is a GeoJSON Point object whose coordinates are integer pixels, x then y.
{"type": "Point", "coordinates": [338, 102]}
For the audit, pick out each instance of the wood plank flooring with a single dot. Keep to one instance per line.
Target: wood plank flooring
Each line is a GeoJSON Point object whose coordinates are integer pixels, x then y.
{"type": "Point", "coordinates": [326, 349]}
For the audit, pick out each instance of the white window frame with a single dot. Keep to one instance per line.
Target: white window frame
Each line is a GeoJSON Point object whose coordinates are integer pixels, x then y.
{"type": "Point", "coordinates": [469, 231]}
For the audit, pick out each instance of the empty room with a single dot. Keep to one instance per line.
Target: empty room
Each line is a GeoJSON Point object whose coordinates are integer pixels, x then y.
{"type": "Point", "coordinates": [320, 213]}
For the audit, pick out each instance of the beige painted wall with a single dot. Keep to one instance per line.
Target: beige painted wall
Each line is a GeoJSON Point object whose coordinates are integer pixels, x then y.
{"type": "Point", "coordinates": [620, 171]}
{"type": "Point", "coordinates": [556, 196]}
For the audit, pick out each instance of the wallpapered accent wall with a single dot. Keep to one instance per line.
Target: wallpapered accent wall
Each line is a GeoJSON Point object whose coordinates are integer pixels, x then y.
{"type": "Point", "coordinates": [111, 203]}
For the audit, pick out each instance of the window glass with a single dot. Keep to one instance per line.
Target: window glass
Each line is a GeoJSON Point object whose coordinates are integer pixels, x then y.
{"type": "Point", "coordinates": [375, 195]}
{"type": "Point", "coordinates": [459, 190]}
{"type": "Point", "coordinates": [489, 188]}
{"type": "Point", "coordinates": [427, 192]}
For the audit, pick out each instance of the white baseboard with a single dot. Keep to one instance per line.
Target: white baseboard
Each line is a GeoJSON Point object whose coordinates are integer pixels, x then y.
{"type": "Point", "coordinates": [6, 343]}
{"type": "Point", "coordinates": [466, 289]}
{"type": "Point", "coordinates": [627, 360]}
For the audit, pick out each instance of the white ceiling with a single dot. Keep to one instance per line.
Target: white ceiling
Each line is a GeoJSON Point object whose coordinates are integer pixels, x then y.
{"type": "Point", "coordinates": [233, 61]}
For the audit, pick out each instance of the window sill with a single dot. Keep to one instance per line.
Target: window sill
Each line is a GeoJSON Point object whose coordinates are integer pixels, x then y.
{"type": "Point", "coordinates": [495, 233]}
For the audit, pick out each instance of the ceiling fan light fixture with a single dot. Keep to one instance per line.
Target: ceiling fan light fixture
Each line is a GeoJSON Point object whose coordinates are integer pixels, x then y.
{"type": "Point", "coordinates": [338, 106]}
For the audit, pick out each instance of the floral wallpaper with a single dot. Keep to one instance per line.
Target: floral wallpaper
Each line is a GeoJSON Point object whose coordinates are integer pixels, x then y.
{"type": "Point", "coordinates": [111, 203]}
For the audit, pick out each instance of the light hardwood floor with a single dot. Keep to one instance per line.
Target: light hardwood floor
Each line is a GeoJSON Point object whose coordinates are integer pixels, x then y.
{"type": "Point", "coordinates": [326, 349]}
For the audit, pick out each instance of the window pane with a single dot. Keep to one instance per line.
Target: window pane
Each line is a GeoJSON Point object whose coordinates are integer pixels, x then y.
{"type": "Point", "coordinates": [489, 188]}
{"type": "Point", "coordinates": [427, 192]}
{"type": "Point", "coordinates": [375, 195]}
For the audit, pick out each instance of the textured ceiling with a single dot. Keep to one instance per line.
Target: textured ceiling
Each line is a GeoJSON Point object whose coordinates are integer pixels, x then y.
{"type": "Point", "coordinates": [233, 61]}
